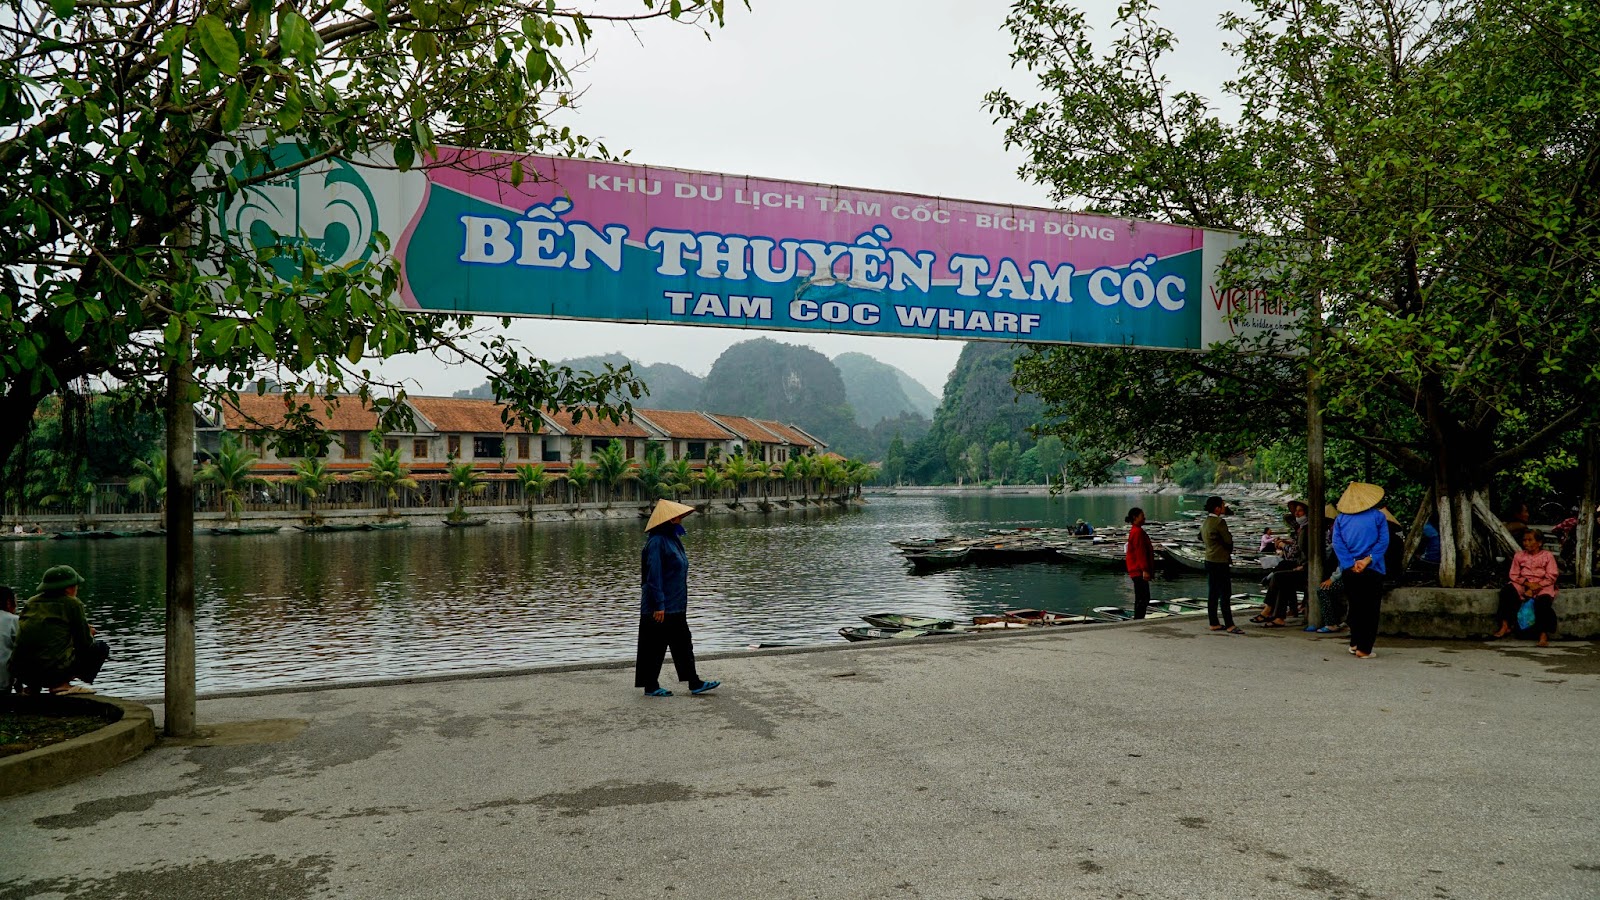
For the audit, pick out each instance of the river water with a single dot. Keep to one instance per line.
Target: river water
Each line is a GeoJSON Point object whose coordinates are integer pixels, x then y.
{"type": "Point", "coordinates": [293, 608]}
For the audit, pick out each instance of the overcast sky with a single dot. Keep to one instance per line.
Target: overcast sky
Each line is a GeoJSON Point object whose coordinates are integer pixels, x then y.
{"type": "Point", "coordinates": [884, 94]}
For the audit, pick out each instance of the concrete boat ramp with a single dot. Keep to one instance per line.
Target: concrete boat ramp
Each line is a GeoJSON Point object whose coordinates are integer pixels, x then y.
{"type": "Point", "coordinates": [1149, 760]}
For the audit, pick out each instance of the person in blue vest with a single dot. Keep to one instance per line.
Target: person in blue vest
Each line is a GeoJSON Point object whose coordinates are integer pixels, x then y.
{"type": "Point", "coordinates": [664, 604]}
{"type": "Point", "coordinates": [1360, 541]}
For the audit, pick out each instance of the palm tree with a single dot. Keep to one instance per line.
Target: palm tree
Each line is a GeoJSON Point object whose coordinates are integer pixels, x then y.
{"type": "Point", "coordinates": [150, 480]}
{"type": "Point", "coordinates": [389, 476]}
{"type": "Point", "coordinates": [579, 474]}
{"type": "Point", "coordinates": [830, 474]}
{"type": "Point", "coordinates": [790, 473]}
{"type": "Point", "coordinates": [806, 468]}
{"type": "Point", "coordinates": [311, 475]}
{"type": "Point", "coordinates": [739, 472]}
{"type": "Point", "coordinates": [679, 477]}
{"type": "Point", "coordinates": [714, 482]}
{"type": "Point", "coordinates": [535, 481]}
{"type": "Point", "coordinates": [655, 471]}
{"type": "Point", "coordinates": [464, 480]}
{"type": "Point", "coordinates": [230, 471]}
{"type": "Point", "coordinates": [857, 473]}
{"type": "Point", "coordinates": [612, 467]}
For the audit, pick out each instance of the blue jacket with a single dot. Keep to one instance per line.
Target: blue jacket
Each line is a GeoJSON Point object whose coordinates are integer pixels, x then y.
{"type": "Point", "coordinates": [1362, 534]}
{"type": "Point", "coordinates": [664, 573]}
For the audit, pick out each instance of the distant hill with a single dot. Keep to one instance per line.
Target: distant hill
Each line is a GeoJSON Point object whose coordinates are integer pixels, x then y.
{"type": "Point", "coordinates": [769, 380]}
{"type": "Point", "coordinates": [878, 391]}
{"type": "Point", "coordinates": [980, 406]}
{"type": "Point", "coordinates": [670, 387]}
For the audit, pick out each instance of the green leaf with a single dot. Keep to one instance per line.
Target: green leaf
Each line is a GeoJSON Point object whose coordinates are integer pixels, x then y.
{"type": "Point", "coordinates": [405, 153]}
{"type": "Point", "coordinates": [516, 172]}
{"type": "Point", "coordinates": [233, 109]}
{"type": "Point", "coordinates": [63, 8]}
{"type": "Point", "coordinates": [289, 114]}
{"type": "Point", "coordinates": [218, 43]}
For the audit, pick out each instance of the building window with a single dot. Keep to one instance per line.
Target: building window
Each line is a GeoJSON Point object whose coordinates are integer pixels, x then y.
{"type": "Point", "coordinates": [522, 446]}
{"type": "Point", "coordinates": [697, 450]}
{"type": "Point", "coordinates": [352, 444]}
{"type": "Point", "coordinates": [453, 446]}
{"type": "Point", "coordinates": [598, 444]}
{"type": "Point", "coordinates": [419, 448]}
{"type": "Point", "coordinates": [549, 450]}
{"type": "Point", "coordinates": [488, 447]}
{"type": "Point", "coordinates": [391, 444]}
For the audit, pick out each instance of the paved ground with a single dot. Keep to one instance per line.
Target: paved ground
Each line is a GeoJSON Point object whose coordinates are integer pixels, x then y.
{"type": "Point", "coordinates": [1147, 761]}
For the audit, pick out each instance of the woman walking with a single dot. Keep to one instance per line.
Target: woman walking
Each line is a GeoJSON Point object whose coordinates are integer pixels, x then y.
{"type": "Point", "coordinates": [1219, 556]}
{"type": "Point", "coordinates": [1139, 556]}
{"type": "Point", "coordinates": [1360, 538]}
{"type": "Point", "coordinates": [664, 604]}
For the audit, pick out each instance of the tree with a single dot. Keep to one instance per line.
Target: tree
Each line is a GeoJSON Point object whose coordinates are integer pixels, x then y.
{"type": "Point", "coordinates": [740, 471]}
{"type": "Point", "coordinates": [612, 468]}
{"type": "Point", "coordinates": [464, 480]}
{"type": "Point", "coordinates": [150, 481]}
{"type": "Point", "coordinates": [977, 460]}
{"type": "Point", "coordinates": [230, 471]}
{"type": "Point", "coordinates": [579, 474]}
{"type": "Point", "coordinates": [894, 461]}
{"type": "Point", "coordinates": [714, 482]}
{"type": "Point", "coordinates": [313, 478]}
{"type": "Point", "coordinates": [1002, 456]}
{"type": "Point", "coordinates": [1426, 174]}
{"type": "Point", "coordinates": [390, 477]}
{"type": "Point", "coordinates": [680, 477]}
{"type": "Point", "coordinates": [654, 472]}
{"type": "Point", "coordinates": [108, 111]}
{"type": "Point", "coordinates": [534, 481]}
{"type": "Point", "coordinates": [1051, 454]}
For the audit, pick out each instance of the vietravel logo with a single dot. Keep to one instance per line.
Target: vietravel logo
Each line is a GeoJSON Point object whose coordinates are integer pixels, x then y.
{"type": "Point", "coordinates": [326, 207]}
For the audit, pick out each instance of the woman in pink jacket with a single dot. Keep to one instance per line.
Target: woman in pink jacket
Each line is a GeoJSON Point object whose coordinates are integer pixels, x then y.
{"type": "Point", "coordinates": [1533, 578]}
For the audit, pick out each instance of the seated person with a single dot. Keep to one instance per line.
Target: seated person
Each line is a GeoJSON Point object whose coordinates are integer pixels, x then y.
{"type": "Point", "coordinates": [1083, 528]}
{"type": "Point", "coordinates": [1268, 542]}
{"type": "Point", "coordinates": [8, 635]}
{"type": "Point", "coordinates": [55, 643]}
{"type": "Point", "coordinates": [1430, 543]}
{"type": "Point", "coordinates": [1532, 578]}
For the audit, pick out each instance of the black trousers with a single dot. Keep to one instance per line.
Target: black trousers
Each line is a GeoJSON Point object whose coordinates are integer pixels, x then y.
{"type": "Point", "coordinates": [1544, 610]}
{"type": "Point", "coordinates": [85, 668]}
{"type": "Point", "coordinates": [654, 640]}
{"type": "Point", "coordinates": [1281, 590]}
{"type": "Point", "coordinates": [1141, 597]}
{"type": "Point", "coordinates": [1219, 593]}
{"type": "Point", "coordinates": [1364, 593]}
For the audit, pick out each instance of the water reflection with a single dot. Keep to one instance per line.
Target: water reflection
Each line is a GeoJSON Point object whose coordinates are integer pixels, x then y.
{"type": "Point", "coordinates": [296, 608]}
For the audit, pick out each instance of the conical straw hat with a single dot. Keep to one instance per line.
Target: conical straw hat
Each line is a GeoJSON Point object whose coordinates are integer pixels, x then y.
{"type": "Point", "coordinates": [666, 511]}
{"type": "Point", "coordinates": [1360, 497]}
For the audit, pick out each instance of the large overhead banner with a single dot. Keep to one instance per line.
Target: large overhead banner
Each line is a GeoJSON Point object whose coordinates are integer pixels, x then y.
{"type": "Point", "coordinates": [579, 239]}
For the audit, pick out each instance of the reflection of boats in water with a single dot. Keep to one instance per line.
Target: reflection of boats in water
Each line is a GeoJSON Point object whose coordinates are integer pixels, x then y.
{"type": "Point", "coordinates": [467, 523]}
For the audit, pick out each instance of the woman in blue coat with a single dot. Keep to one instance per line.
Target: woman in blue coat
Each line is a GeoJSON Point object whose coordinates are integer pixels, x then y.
{"type": "Point", "coordinates": [664, 604]}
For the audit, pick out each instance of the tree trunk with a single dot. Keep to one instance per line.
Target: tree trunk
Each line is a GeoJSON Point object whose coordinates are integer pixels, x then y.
{"type": "Point", "coordinates": [1461, 508]}
{"type": "Point", "coordinates": [1449, 565]}
{"type": "Point", "coordinates": [1491, 522]}
{"type": "Point", "coordinates": [1316, 484]}
{"type": "Point", "coordinates": [179, 700]}
{"type": "Point", "coordinates": [1414, 536]}
{"type": "Point", "coordinates": [1584, 561]}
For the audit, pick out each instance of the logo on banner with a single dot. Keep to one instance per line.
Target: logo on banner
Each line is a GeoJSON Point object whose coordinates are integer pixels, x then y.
{"type": "Point", "coordinates": [325, 207]}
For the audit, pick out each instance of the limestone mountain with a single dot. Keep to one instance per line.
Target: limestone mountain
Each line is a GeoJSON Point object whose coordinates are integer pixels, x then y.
{"type": "Point", "coordinates": [878, 391]}
{"type": "Point", "coordinates": [770, 380]}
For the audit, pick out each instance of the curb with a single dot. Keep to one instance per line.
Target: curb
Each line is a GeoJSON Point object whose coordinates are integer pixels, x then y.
{"type": "Point", "coordinates": [132, 733]}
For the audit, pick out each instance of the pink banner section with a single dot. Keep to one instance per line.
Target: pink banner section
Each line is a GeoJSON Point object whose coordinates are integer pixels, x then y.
{"type": "Point", "coordinates": [642, 197]}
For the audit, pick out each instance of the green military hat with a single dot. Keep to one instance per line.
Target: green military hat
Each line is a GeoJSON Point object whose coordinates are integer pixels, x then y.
{"type": "Point", "coordinates": [58, 578]}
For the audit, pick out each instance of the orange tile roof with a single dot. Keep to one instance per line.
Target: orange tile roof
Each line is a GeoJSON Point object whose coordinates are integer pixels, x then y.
{"type": "Point", "coordinates": [464, 415]}
{"type": "Point", "coordinates": [686, 425]}
{"type": "Point", "coordinates": [261, 411]}
{"type": "Point", "coordinates": [788, 433]}
{"type": "Point", "coordinates": [593, 427]}
{"type": "Point", "coordinates": [748, 429]}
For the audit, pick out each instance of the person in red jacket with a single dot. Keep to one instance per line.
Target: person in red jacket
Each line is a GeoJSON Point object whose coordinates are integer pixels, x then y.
{"type": "Point", "coordinates": [1139, 557]}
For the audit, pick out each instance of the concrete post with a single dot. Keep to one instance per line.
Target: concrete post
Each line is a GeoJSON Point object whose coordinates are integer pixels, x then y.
{"type": "Point", "coordinates": [179, 694]}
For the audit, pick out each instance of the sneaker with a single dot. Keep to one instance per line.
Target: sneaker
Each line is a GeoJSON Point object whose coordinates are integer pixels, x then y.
{"type": "Point", "coordinates": [658, 692]}
{"type": "Point", "coordinates": [705, 687]}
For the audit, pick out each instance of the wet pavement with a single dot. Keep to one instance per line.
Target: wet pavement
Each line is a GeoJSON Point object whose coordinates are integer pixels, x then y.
{"type": "Point", "coordinates": [1146, 760]}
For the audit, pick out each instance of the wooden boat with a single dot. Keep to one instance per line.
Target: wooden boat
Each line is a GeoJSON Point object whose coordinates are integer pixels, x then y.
{"type": "Point", "coordinates": [246, 529]}
{"type": "Point", "coordinates": [1236, 603]}
{"type": "Point", "coordinates": [331, 527]}
{"type": "Point", "coordinates": [1095, 555]}
{"type": "Point", "coordinates": [868, 633]}
{"type": "Point", "coordinates": [920, 543]}
{"type": "Point", "coordinates": [387, 526]}
{"type": "Point", "coordinates": [26, 536]}
{"type": "Point", "coordinates": [943, 558]}
{"type": "Point", "coordinates": [89, 535]}
{"type": "Point", "coordinates": [1192, 559]}
{"type": "Point", "coordinates": [466, 523]}
{"type": "Point", "coordinates": [997, 623]}
{"type": "Point", "coordinates": [901, 620]}
{"type": "Point", "coordinates": [1123, 613]}
{"type": "Point", "coordinates": [1047, 617]}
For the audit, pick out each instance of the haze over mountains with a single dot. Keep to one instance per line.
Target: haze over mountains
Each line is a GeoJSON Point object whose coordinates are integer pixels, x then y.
{"type": "Point", "coordinates": [856, 403]}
